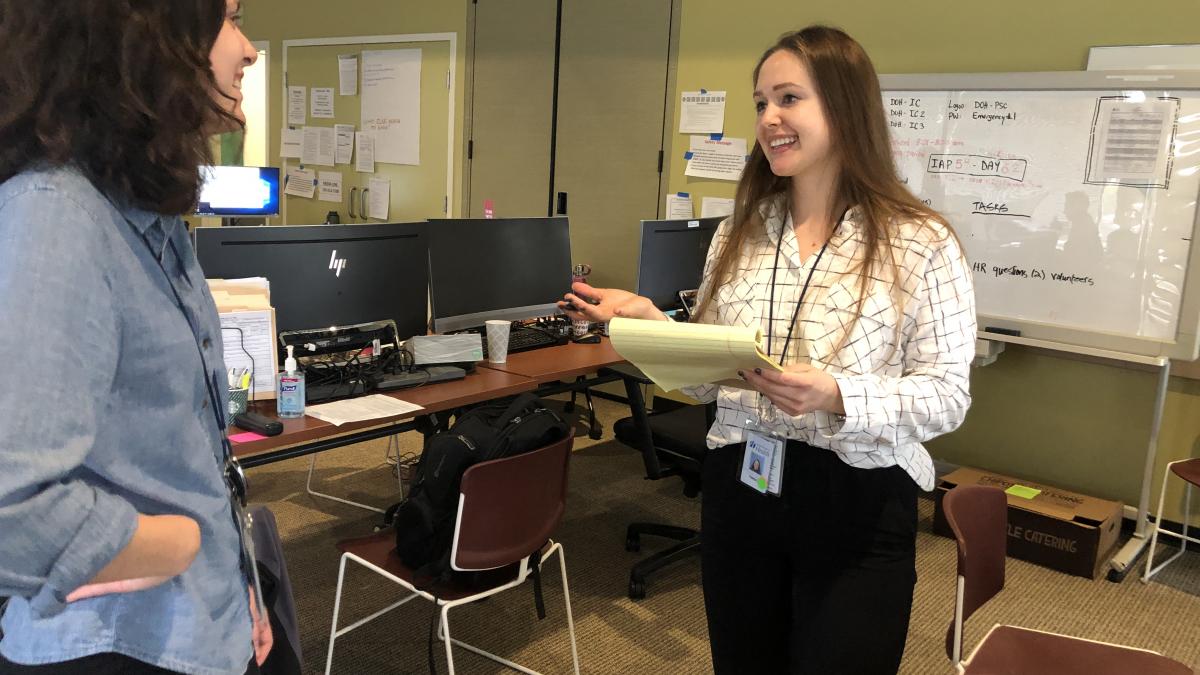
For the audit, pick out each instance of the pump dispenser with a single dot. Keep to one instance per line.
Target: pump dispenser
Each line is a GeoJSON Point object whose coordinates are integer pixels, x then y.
{"type": "Point", "coordinates": [289, 390]}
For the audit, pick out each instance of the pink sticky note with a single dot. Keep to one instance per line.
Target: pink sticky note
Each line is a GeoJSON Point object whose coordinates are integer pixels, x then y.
{"type": "Point", "coordinates": [246, 437]}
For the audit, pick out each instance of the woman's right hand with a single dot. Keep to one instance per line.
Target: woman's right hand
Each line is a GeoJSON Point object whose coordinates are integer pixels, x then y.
{"type": "Point", "coordinates": [602, 304]}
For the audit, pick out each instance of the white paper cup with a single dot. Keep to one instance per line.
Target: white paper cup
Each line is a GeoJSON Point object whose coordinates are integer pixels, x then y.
{"type": "Point", "coordinates": [497, 337]}
{"type": "Point", "coordinates": [580, 327]}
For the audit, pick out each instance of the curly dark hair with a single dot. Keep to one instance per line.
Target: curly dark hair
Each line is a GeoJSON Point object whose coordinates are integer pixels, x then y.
{"type": "Point", "coordinates": [119, 89]}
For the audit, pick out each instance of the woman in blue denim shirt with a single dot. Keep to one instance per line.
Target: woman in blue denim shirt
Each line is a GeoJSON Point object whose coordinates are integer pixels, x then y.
{"type": "Point", "coordinates": [119, 550]}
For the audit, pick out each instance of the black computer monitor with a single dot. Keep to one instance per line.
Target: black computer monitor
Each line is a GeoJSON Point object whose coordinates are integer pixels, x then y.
{"type": "Point", "coordinates": [238, 191]}
{"type": "Point", "coordinates": [671, 258]}
{"type": "Point", "coordinates": [503, 268]}
{"type": "Point", "coordinates": [326, 276]}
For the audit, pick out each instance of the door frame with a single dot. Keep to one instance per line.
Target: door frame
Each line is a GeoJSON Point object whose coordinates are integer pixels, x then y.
{"type": "Point", "coordinates": [452, 38]}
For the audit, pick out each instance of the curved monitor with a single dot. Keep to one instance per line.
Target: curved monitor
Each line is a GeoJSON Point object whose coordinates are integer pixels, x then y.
{"type": "Point", "coordinates": [238, 191]}
{"type": "Point", "coordinates": [503, 268]}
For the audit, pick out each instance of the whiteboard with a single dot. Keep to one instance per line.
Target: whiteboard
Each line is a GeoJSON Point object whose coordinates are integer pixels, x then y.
{"type": "Point", "coordinates": [1074, 195]}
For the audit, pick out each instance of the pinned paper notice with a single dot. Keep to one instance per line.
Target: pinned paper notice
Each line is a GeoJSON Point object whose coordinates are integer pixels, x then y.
{"type": "Point", "coordinates": [715, 206]}
{"type": "Point", "coordinates": [301, 183]}
{"type": "Point", "coordinates": [330, 186]}
{"type": "Point", "coordinates": [379, 198]}
{"type": "Point", "coordinates": [318, 146]}
{"type": "Point", "coordinates": [1022, 491]}
{"type": "Point", "coordinates": [364, 148]}
{"type": "Point", "coordinates": [345, 143]}
{"type": "Point", "coordinates": [297, 97]}
{"type": "Point", "coordinates": [322, 102]}
{"type": "Point", "coordinates": [710, 157]}
{"type": "Point", "coordinates": [291, 142]}
{"type": "Point", "coordinates": [347, 74]}
{"type": "Point", "coordinates": [702, 112]}
{"type": "Point", "coordinates": [679, 206]}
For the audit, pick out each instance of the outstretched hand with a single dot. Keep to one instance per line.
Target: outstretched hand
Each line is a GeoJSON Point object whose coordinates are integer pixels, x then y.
{"type": "Point", "coordinates": [602, 304]}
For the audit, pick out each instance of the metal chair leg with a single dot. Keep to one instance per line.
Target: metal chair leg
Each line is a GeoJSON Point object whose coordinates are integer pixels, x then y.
{"type": "Point", "coordinates": [337, 606]}
{"type": "Point", "coordinates": [308, 488]}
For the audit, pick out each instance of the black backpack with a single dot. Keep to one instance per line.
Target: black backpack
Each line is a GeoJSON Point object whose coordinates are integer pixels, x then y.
{"type": "Point", "coordinates": [424, 521]}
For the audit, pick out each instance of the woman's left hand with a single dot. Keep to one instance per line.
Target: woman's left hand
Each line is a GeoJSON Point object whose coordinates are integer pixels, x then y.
{"type": "Point", "coordinates": [260, 635]}
{"type": "Point", "coordinates": [799, 389]}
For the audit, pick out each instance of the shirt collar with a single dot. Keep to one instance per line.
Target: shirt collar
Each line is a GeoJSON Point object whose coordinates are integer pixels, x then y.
{"type": "Point", "coordinates": [776, 217]}
{"type": "Point", "coordinates": [155, 228]}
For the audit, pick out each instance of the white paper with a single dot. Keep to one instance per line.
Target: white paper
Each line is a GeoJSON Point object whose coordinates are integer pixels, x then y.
{"type": "Point", "coordinates": [379, 198]}
{"type": "Point", "coordinates": [364, 147]}
{"type": "Point", "coordinates": [348, 74]}
{"type": "Point", "coordinates": [715, 206]}
{"type": "Point", "coordinates": [329, 185]}
{"type": "Point", "coordinates": [1131, 142]}
{"type": "Point", "coordinates": [391, 104]}
{"type": "Point", "coordinates": [322, 102]}
{"type": "Point", "coordinates": [679, 206]}
{"type": "Point", "coordinates": [345, 143]}
{"type": "Point", "coordinates": [301, 183]}
{"type": "Point", "coordinates": [249, 342]}
{"type": "Point", "coordinates": [291, 142]}
{"type": "Point", "coordinates": [318, 147]}
{"type": "Point", "coordinates": [702, 112]}
{"type": "Point", "coordinates": [361, 408]}
{"type": "Point", "coordinates": [297, 97]}
{"type": "Point", "coordinates": [721, 159]}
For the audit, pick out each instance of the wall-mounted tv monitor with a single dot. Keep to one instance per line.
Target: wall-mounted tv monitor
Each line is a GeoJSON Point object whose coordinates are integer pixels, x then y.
{"type": "Point", "coordinates": [238, 191]}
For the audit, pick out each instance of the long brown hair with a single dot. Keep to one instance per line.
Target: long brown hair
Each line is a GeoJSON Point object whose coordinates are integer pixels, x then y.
{"type": "Point", "coordinates": [119, 89]}
{"type": "Point", "coordinates": [848, 88]}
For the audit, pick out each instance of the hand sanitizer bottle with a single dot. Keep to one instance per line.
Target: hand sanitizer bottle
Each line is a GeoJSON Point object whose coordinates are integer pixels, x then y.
{"type": "Point", "coordinates": [289, 390]}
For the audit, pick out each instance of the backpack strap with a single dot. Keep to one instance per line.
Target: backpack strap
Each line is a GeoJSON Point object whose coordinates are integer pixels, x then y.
{"type": "Point", "coordinates": [535, 571]}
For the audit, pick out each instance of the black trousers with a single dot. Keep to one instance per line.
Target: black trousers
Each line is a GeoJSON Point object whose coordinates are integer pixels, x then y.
{"type": "Point", "coordinates": [108, 663]}
{"type": "Point", "coordinates": [817, 580]}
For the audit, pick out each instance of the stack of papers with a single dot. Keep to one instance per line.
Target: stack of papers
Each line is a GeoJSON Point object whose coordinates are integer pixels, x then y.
{"type": "Point", "coordinates": [361, 408]}
{"type": "Point", "coordinates": [248, 330]}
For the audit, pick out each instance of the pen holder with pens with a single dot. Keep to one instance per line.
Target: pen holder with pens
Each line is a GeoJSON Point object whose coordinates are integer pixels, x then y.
{"type": "Point", "coordinates": [238, 398]}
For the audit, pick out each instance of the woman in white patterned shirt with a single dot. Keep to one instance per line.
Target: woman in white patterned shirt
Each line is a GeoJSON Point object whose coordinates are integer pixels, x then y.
{"type": "Point", "coordinates": [866, 299]}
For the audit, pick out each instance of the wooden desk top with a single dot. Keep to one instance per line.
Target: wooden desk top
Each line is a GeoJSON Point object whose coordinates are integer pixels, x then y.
{"type": "Point", "coordinates": [550, 364]}
{"type": "Point", "coordinates": [482, 385]}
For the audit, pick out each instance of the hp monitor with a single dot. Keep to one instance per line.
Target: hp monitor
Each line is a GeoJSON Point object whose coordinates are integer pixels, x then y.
{"type": "Point", "coordinates": [238, 191]}
{"type": "Point", "coordinates": [325, 276]}
{"type": "Point", "coordinates": [504, 268]}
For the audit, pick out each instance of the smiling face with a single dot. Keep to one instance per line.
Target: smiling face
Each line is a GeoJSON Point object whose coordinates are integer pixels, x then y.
{"type": "Point", "coordinates": [791, 127]}
{"type": "Point", "coordinates": [230, 55]}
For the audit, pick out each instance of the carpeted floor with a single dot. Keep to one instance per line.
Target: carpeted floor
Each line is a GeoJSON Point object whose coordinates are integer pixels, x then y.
{"type": "Point", "coordinates": [664, 633]}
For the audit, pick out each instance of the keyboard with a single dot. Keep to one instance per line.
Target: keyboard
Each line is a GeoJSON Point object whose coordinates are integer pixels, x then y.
{"type": "Point", "coordinates": [521, 339]}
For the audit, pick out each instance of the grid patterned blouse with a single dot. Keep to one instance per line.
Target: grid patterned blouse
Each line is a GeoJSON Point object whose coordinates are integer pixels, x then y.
{"type": "Point", "coordinates": [903, 370]}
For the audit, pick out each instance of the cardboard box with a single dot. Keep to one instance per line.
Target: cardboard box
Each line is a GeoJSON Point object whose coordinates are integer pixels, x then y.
{"type": "Point", "coordinates": [1063, 530]}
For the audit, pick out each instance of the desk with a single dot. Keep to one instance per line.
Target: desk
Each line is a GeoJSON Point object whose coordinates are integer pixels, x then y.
{"type": "Point", "coordinates": [307, 435]}
{"type": "Point", "coordinates": [537, 370]}
{"type": "Point", "coordinates": [553, 364]}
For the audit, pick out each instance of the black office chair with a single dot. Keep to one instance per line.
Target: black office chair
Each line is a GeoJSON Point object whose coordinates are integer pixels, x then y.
{"type": "Point", "coordinates": [672, 443]}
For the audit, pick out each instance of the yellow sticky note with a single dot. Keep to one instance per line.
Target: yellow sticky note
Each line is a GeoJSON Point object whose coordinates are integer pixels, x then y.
{"type": "Point", "coordinates": [1023, 492]}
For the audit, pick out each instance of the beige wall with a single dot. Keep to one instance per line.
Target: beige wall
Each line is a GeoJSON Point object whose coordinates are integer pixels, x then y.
{"type": "Point", "coordinates": [277, 20]}
{"type": "Point", "coordinates": [1036, 415]}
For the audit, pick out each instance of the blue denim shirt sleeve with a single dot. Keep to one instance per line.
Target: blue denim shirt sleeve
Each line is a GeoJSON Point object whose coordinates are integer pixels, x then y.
{"type": "Point", "coordinates": [57, 333]}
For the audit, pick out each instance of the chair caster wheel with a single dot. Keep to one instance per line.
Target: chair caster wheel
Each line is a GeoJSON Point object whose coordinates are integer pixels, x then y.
{"type": "Point", "coordinates": [637, 589]}
{"type": "Point", "coordinates": [633, 544]}
{"type": "Point", "coordinates": [595, 434]}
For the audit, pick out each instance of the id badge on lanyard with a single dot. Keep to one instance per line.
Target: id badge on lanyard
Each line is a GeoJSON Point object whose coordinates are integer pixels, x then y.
{"type": "Point", "coordinates": [762, 462]}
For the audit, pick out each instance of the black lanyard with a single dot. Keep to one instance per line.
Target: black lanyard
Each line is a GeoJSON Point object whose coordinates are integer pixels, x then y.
{"type": "Point", "coordinates": [803, 291]}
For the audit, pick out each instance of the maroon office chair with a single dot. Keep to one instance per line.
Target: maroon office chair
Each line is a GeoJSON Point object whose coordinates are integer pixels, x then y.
{"type": "Point", "coordinates": [507, 510]}
{"type": "Point", "coordinates": [978, 515]}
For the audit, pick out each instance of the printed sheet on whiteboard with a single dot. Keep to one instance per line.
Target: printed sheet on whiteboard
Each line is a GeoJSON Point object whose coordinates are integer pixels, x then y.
{"type": "Point", "coordinates": [1132, 141]}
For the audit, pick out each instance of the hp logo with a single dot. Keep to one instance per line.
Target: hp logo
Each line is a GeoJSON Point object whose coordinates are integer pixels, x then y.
{"type": "Point", "coordinates": [337, 264]}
